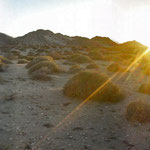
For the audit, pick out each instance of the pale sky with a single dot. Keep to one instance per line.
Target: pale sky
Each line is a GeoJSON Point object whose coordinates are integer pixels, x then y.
{"type": "Point", "coordinates": [121, 20]}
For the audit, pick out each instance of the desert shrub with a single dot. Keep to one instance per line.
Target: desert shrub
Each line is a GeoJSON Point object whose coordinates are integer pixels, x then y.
{"type": "Point", "coordinates": [86, 82]}
{"type": "Point", "coordinates": [138, 111]}
{"type": "Point", "coordinates": [39, 59]}
{"type": "Point", "coordinates": [22, 61]}
{"type": "Point", "coordinates": [144, 88]}
{"type": "Point", "coordinates": [77, 58]}
{"type": "Point", "coordinates": [55, 55]}
{"type": "Point", "coordinates": [96, 55]}
{"type": "Point", "coordinates": [75, 69]}
{"type": "Point", "coordinates": [5, 60]}
{"type": "Point", "coordinates": [51, 66]}
{"type": "Point", "coordinates": [92, 66]}
{"type": "Point", "coordinates": [114, 67]}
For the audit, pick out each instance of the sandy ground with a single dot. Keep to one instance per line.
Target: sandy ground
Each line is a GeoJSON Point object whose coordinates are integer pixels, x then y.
{"type": "Point", "coordinates": [32, 116]}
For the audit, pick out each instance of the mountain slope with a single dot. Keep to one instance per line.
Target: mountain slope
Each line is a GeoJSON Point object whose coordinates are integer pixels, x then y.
{"type": "Point", "coordinates": [42, 37]}
{"type": "Point", "coordinates": [129, 47]}
{"type": "Point", "coordinates": [104, 41]}
{"type": "Point", "coordinates": [5, 39]}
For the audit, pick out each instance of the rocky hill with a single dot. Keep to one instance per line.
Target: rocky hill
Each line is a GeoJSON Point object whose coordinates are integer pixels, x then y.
{"type": "Point", "coordinates": [46, 37]}
{"type": "Point", "coordinates": [5, 39]}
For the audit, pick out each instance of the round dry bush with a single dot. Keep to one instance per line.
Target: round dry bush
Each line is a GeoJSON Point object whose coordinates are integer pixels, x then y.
{"type": "Point", "coordinates": [77, 58]}
{"type": "Point", "coordinates": [114, 68]}
{"type": "Point", "coordinates": [96, 55]}
{"type": "Point", "coordinates": [138, 111]}
{"type": "Point", "coordinates": [144, 88]}
{"type": "Point", "coordinates": [55, 55]}
{"type": "Point", "coordinates": [39, 59]}
{"type": "Point", "coordinates": [86, 82]}
{"type": "Point", "coordinates": [5, 60]}
{"type": "Point", "coordinates": [75, 69]}
{"type": "Point", "coordinates": [92, 66]}
{"type": "Point", "coordinates": [52, 67]}
{"type": "Point", "coordinates": [22, 61]}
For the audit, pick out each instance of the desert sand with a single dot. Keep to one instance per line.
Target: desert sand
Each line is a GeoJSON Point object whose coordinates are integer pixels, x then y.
{"type": "Point", "coordinates": [36, 115]}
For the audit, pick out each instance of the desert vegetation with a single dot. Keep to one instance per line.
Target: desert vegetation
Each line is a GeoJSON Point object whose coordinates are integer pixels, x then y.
{"type": "Point", "coordinates": [85, 83]}
{"type": "Point", "coordinates": [78, 58]}
{"type": "Point", "coordinates": [39, 59]}
{"type": "Point", "coordinates": [22, 61]}
{"type": "Point", "coordinates": [138, 111]}
{"type": "Point", "coordinates": [44, 87]}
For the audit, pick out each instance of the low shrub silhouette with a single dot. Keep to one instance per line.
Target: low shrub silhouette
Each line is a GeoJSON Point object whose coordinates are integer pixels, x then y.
{"type": "Point", "coordinates": [5, 60]}
{"type": "Point", "coordinates": [78, 58]}
{"type": "Point", "coordinates": [22, 61]}
{"type": "Point", "coordinates": [55, 55]}
{"type": "Point", "coordinates": [86, 82]}
{"type": "Point", "coordinates": [138, 111]}
{"type": "Point", "coordinates": [39, 59]}
{"type": "Point", "coordinates": [51, 66]}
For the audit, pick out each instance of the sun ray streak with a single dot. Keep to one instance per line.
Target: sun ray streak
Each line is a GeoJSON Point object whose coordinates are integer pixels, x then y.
{"type": "Point", "coordinates": [134, 62]}
{"type": "Point", "coordinates": [89, 97]}
{"type": "Point", "coordinates": [75, 110]}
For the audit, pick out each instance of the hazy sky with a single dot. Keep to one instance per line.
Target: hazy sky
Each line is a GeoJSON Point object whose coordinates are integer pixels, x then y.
{"type": "Point", "coordinates": [121, 20]}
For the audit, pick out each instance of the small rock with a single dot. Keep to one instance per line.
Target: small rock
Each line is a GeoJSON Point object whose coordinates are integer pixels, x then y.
{"type": "Point", "coordinates": [67, 103]}
{"type": "Point", "coordinates": [48, 125]}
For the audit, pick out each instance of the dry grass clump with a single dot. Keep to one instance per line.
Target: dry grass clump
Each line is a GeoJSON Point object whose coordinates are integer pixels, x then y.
{"type": "Point", "coordinates": [5, 60]}
{"type": "Point", "coordinates": [138, 111]}
{"type": "Point", "coordinates": [55, 55]}
{"type": "Point", "coordinates": [144, 88]}
{"type": "Point", "coordinates": [92, 66]}
{"type": "Point", "coordinates": [78, 58]}
{"type": "Point", "coordinates": [75, 69]}
{"type": "Point", "coordinates": [96, 55]}
{"type": "Point", "coordinates": [22, 61]}
{"type": "Point", "coordinates": [51, 66]}
{"type": "Point", "coordinates": [86, 82]}
{"type": "Point", "coordinates": [39, 59]}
